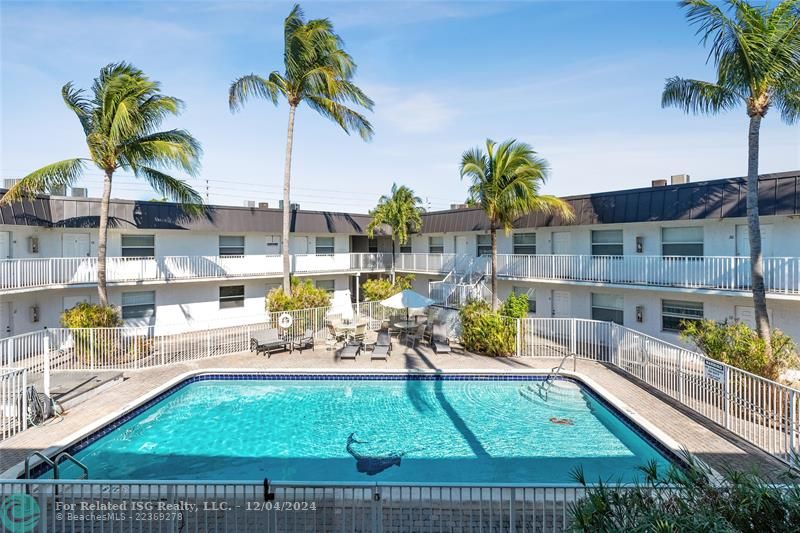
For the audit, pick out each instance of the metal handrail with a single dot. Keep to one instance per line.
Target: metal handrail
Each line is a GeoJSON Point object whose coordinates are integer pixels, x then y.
{"type": "Point", "coordinates": [66, 456]}
{"type": "Point", "coordinates": [41, 456]}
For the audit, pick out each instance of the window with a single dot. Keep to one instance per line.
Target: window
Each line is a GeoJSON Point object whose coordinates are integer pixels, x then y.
{"type": "Point", "coordinates": [273, 245]}
{"type": "Point", "coordinates": [686, 242]}
{"type": "Point", "coordinates": [531, 296]}
{"type": "Point", "coordinates": [525, 243]}
{"type": "Point", "coordinates": [231, 245]}
{"type": "Point", "coordinates": [607, 242]}
{"type": "Point", "coordinates": [138, 246]}
{"type": "Point", "coordinates": [608, 307]}
{"type": "Point", "coordinates": [231, 296]}
{"type": "Point", "coordinates": [372, 246]}
{"type": "Point", "coordinates": [484, 243]}
{"type": "Point", "coordinates": [673, 312]}
{"type": "Point", "coordinates": [138, 304]}
{"type": "Point", "coordinates": [405, 248]}
{"type": "Point", "coordinates": [324, 245]}
{"type": "Point", "coordinates": [436, 245]}
{"type": "Point", "coordinates": [326, 285]}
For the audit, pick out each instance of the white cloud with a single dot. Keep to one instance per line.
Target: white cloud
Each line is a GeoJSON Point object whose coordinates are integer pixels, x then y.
{"type": "Point", "coordinates": [421, 112]}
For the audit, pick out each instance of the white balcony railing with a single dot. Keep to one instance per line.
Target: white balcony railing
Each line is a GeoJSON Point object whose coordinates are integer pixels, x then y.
{"type": "Point", "coordinates": [781, 274]}
{"type": "Point", "coordinates": [343, 262]}
{"type": "Point", "coordinates": [428, 263]}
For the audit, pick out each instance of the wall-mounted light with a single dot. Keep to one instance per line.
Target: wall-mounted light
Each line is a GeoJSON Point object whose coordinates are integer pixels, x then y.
{"type": "Point", "coordinates": [639, 244]}
{"type": "Point", "coordinates": [639, 313]}
{"type": "Point", "coordinates": [34, 313]}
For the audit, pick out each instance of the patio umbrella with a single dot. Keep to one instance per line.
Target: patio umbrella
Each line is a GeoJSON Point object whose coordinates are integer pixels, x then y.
{"type": "Point", "coordinates": [407, 299]}
{"type": "Point", "coordinates": [342, 306]}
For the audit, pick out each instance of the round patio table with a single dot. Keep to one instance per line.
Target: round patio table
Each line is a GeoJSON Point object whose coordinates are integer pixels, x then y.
{"type": "Point", "coordinates": [406, 325]}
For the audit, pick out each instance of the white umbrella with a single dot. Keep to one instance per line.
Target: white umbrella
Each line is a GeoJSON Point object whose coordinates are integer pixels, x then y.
{"type": "Point", "coordinates": [407, 299]}
{"type": "Point", "coordinates": [342, 306]}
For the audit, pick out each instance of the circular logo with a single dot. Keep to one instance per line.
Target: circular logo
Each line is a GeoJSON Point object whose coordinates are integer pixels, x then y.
{"type": "Point", "coordinates": [285, 320]}
{"type": "Point", "coordinates": [20, 512]}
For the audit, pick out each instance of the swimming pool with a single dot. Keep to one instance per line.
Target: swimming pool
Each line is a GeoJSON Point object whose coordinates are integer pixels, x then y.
{"type": "Point", "coordinates": [393, 428]}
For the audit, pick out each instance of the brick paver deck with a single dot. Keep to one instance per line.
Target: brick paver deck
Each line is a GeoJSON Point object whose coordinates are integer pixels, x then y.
{"type": "Point", "coordinates": [717, 447]}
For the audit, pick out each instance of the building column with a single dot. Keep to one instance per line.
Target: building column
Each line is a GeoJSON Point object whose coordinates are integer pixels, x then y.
{"type": "Point", "coordinates": [358, 288]}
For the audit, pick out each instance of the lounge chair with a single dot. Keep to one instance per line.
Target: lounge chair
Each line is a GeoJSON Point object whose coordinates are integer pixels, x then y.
{"type": "Point", "coordinates": [306, 341]}
{"type": "Point", "coordinates": [439, 340]}
{"type": "Point", "coordinates": [268, 341]}
{"type": "Point", "coordinates": [350, 350]}
{"type": "Point", "coordinates": [383, 346]}
{"type": "Point", "coordinates": [413, 338]}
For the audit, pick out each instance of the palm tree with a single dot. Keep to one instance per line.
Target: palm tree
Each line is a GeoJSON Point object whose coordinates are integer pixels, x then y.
{"type": "Point", "coordinates": [756, 52]}
{"type": "Point", "coordinates": [317, 71]}
{"type": "Point", "coordinates": [120, 119]}
{"type": "Point", "coordinates": [401, 210]}
{"type": "Point", "coordinates": [506, 180]}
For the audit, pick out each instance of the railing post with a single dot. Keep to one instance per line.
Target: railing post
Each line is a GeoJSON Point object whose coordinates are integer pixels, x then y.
{"type": "Point", "coordinates": [376, 506]}
{"type": "Point", "coordinates": [727, 394]}
{"type": "Point", "coordinates": [793, 423]}
{"type": "Point", "coordinates": [46, 369]}
{"type": "Point", "coordinates": [518, 336]}
{"type": "Point", "coordinates": [208, 341]}
{"type": "Point", "coordinates": [680, 376]}
{"type": "Point", "coordinates": [573, 337]}
{"type": "Point", "coordinates": [91, 348]}
{"type": "Point", "coordinates": [24, 414]}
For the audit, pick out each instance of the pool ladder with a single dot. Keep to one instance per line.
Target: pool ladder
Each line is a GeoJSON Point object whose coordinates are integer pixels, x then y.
{"type": "Point", "coordinates": [54, 464]}
{"type": "Point", "coordinates": [544, 386]}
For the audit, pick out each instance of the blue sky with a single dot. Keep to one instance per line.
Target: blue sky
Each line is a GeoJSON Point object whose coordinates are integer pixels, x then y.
{"type": "Point", "coordinates": [580, 81]}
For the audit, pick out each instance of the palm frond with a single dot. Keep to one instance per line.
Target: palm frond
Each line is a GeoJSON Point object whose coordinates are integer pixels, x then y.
{"type": "Point", "coordinates": [59, 174]}
{"type": "Point", "coordinates": [254, 85]}
{"type": "Point", "coordinates": [79, 104]}
{"type": "Point", "coordinates": [347, 118]}
{"type": "Point", "coordinates": [173, 188]}
{"type": "Point", "coordinates": [695, 96]}
{"type": "Point", "coordinates": [171, 149]}
{"type": "Point", "coordinates": [787, 101]}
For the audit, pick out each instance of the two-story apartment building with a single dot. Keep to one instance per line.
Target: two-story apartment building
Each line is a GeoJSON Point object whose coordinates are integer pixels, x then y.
{"type": "Point", "coordinates": [646, 258]}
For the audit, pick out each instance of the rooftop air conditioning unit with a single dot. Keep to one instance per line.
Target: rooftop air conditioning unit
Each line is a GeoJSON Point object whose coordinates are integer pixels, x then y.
{"type": "Point", "coordinates": [79, 192]}
{"type": "Point", "coordinates": [659, 183]}
{"type": "Point", "coordinates": [263, 205]}
{"type": "Point", "coordinates": [58, 190]}
{"type": "Point", "coordinates": [292, 206]}
{"type": "Point", "coordinates": [8, 183]}
{"type": "Point", "coordinates": [249, 203]}
{"type": "Point", "coordinates": [679, 179]}
{"type": "Point", "coordinates": [458, 206]}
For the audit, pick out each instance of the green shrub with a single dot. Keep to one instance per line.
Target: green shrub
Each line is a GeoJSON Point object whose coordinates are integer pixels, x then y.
{"type": "Point", "coordinates": [377, 289]}
{"type": "Point", "coordinates": [304, 295]}
{"type": "Point", "coordinates": [484, 331]}
{"type": "Point", "coordinates": [690, 500]}
{"type": "Point", "coordinates": [86, 315]}
{"type": "Point", "coordinates": [515, 306]}
{"type": "Point", "coordinates": [737, 344]}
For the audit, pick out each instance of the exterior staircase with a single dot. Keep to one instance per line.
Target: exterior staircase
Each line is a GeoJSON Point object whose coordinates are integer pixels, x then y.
{"type": "Point", "coordinates": [467, 281]}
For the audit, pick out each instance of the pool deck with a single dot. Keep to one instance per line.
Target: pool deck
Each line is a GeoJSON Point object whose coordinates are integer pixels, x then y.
{"type": "Point", "coordinates": [714, 445]}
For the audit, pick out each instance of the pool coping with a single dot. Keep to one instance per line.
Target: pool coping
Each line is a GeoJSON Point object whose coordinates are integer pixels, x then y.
{"type": "Point", "coordinates": [660, 440]}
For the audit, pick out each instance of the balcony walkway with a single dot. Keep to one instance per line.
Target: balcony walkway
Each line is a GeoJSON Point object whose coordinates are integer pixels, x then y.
{"type": "Point", "coordinates": [712, 444]}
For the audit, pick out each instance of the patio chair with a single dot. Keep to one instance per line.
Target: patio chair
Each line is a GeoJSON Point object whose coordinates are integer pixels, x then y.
{"type": "Point", "coordinates": [439, 339]}
{"type": "Point", "coordinates": [268, 341]}
{"type": "Point", "coordinates": [360, 332]}
{"type": "Point", "coordinates": [383, 346]}
{"type": "Point", "coordinates": [350, 350]}
{"type": "Point", "coordinates": [306, 341]}
{"type": "Point", "coordinates": [413, 338]}
{"type": "Point", "coordinates": [334, 336]}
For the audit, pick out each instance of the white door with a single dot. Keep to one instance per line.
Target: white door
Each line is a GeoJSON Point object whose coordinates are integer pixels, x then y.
{"type": "Point", "coordinates": [562, 243]}
{"type": "Point", "coordinates": [76, 245]}
{"type": "Point", "coordinates": [743, 240]}
{"type": "Point", "coordinates": [461, 244]}
{"type": "Point", "coordinates": [6, 319]}
{"type": "Point", "coordinates": [561, 304]}
{"type": "Point", "coordinates": [5, 245]}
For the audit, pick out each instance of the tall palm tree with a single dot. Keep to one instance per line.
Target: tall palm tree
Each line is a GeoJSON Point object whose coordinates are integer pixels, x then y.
{"type": "Point", "coordinates": [756, 52]}
{"type": "Point", "coordinates": [317, 71]}
{"type": "Point", "coordinates": [506, 180]}
{"type": "Point", "coordinates": [120, 117]}
{"type": "Point", "coordinates": [402, 211]}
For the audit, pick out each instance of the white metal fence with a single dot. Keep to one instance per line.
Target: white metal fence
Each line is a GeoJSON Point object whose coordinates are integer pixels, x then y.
{"type": "Point", "coordinates": [13, 401]}
{"type": "Point", "coordinates": [242, 507]}
{"type": "Point", "coordinates": [781, 274]}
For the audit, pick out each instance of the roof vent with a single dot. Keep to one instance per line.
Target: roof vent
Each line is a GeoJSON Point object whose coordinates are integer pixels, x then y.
{"type": "Point", "coordinates": [679, 179]}
{"type": "Point", "coordinates": [263, 205]}
{"type": "Point", "coordinates": [659, 183]}
{"type": "Point", "coordinates": [458, 206]}
{"type": "Point", "coordinates": [293, 207]}
{"type": "Point", "coordinates": [8, 183]}
{"type": "Point", "coordinates": [58, 190]}
{"type": "Point", "coordinates": [79, 192]}
{"type": "Point", "coordinates": [249, 203]}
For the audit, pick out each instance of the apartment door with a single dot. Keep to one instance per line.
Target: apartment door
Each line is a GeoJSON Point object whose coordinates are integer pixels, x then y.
{"type": "Point", "coordinates": [76, 245]}
{"type": "Point", "coordinates": [561, 243]}
{"type": "Point", "coordinates": [747, 315]}
{"type": "Point", "coordinates": [6, 319]}
{"type": "Point", "coordinates": [5, 245]}
{"type": "Point", "coordinates": [72, 301]}
{"type": "Point", "coordinates": [561, 304]}
{"type": "Point", "coordinates": [743, 240]}
{"type": "Point", "coordinates": [461, 244]}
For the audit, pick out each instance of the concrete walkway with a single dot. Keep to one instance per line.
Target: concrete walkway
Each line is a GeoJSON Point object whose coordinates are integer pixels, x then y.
{"type": "Point", "coordinates": [714, 445]}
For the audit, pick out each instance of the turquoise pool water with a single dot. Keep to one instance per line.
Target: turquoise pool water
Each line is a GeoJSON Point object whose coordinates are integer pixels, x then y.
{"type": "Point", "coordinates": [439, 431]}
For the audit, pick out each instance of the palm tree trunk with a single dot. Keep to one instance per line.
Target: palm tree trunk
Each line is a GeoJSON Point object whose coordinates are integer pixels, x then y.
{"type": "Point", "coordinates": [102, 240]}
{"type": "Point", "coordinates": [287, 178]}
{"type": "Point", "coordinates": [393, 258]}
{"type": "Point", "coordinates": [495, 301]}
{"type": "Point", "coordinates": [754, 231]}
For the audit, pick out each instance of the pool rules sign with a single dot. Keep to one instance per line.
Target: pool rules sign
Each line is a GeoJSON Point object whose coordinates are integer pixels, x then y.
{"type": "Point", "coordinates": [714, 370]}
